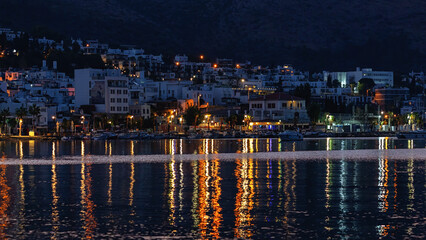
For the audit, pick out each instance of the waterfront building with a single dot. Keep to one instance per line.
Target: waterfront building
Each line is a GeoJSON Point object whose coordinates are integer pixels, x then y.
{"type": "Point", "coordinates": [380, 78]}
{"type": "Point", "coordinates": [390, 99]}
{"type": "Point", "coordinates": [278, 107]}
{"type": "Point", "coordinates": [106, 89]}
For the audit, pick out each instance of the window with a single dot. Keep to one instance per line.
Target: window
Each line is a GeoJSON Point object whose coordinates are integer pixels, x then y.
{"type": "Point", "coordinates": [256, 105]}
{"type": "Point", "coordinates": [112, 109]}
{"type": "Point", "coordinates": [125, 100]}
{"type": "Point", "coordinates": [112, 100]}
{"type": "Point", "coordinates": [124, 108]}
{"type": "Point", "coordinates": [118, 91]}
{"type": "Point", "coordinates": [112, 91]}
{"type": "Point", "coordinates": [118, 100]}
{"type": "Point", "coordinates": [119, 109]}
{"type": "Point", "coordinates": [271, 105]}
{"type": "Point", "coordinates": [143, 111]}
{"type": "Point", "coordinates": [124, 91]}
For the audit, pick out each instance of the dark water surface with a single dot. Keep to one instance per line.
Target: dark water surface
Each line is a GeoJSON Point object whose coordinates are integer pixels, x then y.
{"type": "Point", "coordinates": [211, 198]}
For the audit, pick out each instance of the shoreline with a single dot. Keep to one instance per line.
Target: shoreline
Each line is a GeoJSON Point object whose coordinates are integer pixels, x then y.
{"type": "Point", "coordinates": [188, 137]}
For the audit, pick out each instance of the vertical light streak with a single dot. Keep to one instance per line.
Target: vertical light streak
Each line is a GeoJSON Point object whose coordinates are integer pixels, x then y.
{"type": "Point", "coordinates": [383, 185]}
{"type": "Point", "coordinates": [132, 174]}
{"type": "Point", "coordinates": [181, 186]}
{"type": "Point", "coordinates": [244, 199]}
{"type": "Point", "coordinates": [395, 186]}
{"type": "Point", "coordinates": [109, 191]}
{"type": "Point", "coordinates": [328, 184]}
{"type": "Point", "coordinates": [279, 144]}
{"type": "Point", "coordinates": [267, 145]}
{"type": "Point", "coordinates": [203, 200]}
{"type": "Point", "coordinates": [5, 200]}
{"type": "Point", "coordinates": [21, 150]}
{"type": "Point", "coordinates": [31, 148]}
{"type": "Point", "coordinates": [171, 189]}
{"type": "Point", "coordinates": [55, 197]}
{"type": "Point", "coordinates": [217, 210]}
{"type": "Point", "coordinates": [245, 148]}
{"type": "Point", "coordinates": [87, 206]}
{"type": "Point", "coordinates": [195, 195]}
{"type": "Point", "coordinates": [293, 185]}
{"type": "Point", "coordinates": [268, 180]}
{"type": "Point", "coordinates": [410, 185]}
{"type": "Point", "coordinates": [329, 144]}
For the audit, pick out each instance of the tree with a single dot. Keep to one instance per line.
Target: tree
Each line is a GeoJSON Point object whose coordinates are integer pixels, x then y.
{"type": "Point", "coordinates": [232, 120]}
{"type": "Point", "coordinates": [314, 111]}
{"type": "Point", "coordinates": [336, 83]}
{"type": "Point", "coordinates": [34, 111]}
{"type": "Point", "coordinates": [365, 85]}
{"type": "Point", "coordinates": [3, 117]}
{"type": "Point", "coordinates": [296, 119]}
{"type": "Point", "coordinates": [21, 112]}
{"type": "Point", "coordinates": [11, 122]}
{"type": "Point", "coordinates": [303, 91]}
{"type": "Point", "coordinates": [329, 82]}
{"type": "Point", "coordinates": [192, 116]}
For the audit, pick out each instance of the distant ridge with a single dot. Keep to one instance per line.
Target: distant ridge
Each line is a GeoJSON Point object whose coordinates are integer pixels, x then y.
{"type": "Point", "coordinates": [311, 33]}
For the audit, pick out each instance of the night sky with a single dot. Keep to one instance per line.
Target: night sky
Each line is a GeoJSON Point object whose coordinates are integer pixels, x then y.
{"type": "Point", "coordinates": [312, 34]}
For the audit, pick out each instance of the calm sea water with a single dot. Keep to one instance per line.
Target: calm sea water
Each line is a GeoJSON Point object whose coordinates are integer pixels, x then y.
{"type": "Point", "coordinates": [211, 197]}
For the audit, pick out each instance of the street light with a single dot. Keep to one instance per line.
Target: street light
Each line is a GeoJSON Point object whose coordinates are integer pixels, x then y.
{"type": "Point", "coordinates": [198, 99]}
{"type": "Point", "coordinates": [207, 117]}
{"type": "Point", "coordinates": [82, 121]}
{"type": "Point", "coordinates": [20, 126]}
{"type": "Point", "coordinates": [56, 123]}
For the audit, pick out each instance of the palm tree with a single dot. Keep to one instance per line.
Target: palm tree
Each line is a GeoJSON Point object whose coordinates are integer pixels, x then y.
{"type": "Point", "coordinates": [3, 117]}
{"type": "Point", "coordinates": [21, 113]}
{"type": "Point", "coordinates": [34, 111]}
{"type": "Point", "coordinates": [12, 124]}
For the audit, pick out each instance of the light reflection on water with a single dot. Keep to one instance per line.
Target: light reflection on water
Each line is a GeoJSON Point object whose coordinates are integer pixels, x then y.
{"type": "Point", "coordinates": [210, 198]}
{"type": "Point", "coordinates": [37, 149]}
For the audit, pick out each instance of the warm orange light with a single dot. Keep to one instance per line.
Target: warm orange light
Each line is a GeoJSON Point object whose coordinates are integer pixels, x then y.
{"type": "Point", "coordinates": [386, 116]}
{"type": "Point", "coordinates": [201, 57]}
{"type": "Point", "coordinates": [177, 63]}
{"type": "Point", "coordinates": [215, 65]}
{"type": "Point", "coordinates": [238, 65]}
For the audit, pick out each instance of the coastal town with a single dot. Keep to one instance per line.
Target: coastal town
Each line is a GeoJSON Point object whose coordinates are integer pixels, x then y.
{"type": "Point", "coordinates": [88, 88]}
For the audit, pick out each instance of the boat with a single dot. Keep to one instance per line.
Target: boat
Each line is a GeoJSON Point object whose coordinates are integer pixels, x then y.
{"type": "Point", "coordinates": [100, 136]}
{"type": "Point", "coordinates": [419, 134]}
{"type": "Point", "coordinates": [290, 136]}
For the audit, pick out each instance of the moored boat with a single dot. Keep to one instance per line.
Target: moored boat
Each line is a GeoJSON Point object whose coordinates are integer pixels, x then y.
{"type": "Point", "coordinates": [290, 136]}
{"type": "Point", "coordinates": [419, 134]}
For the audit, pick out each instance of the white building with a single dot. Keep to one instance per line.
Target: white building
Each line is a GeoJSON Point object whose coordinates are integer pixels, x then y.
{"type": "Point", "coordinates": [106, 89]}
{"type": "Point", "coordinates": [380, 78]}
{"type": "Point", "coordinates": [278, 106]}
{"type": "Point", "coordinates": [143, 110]}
